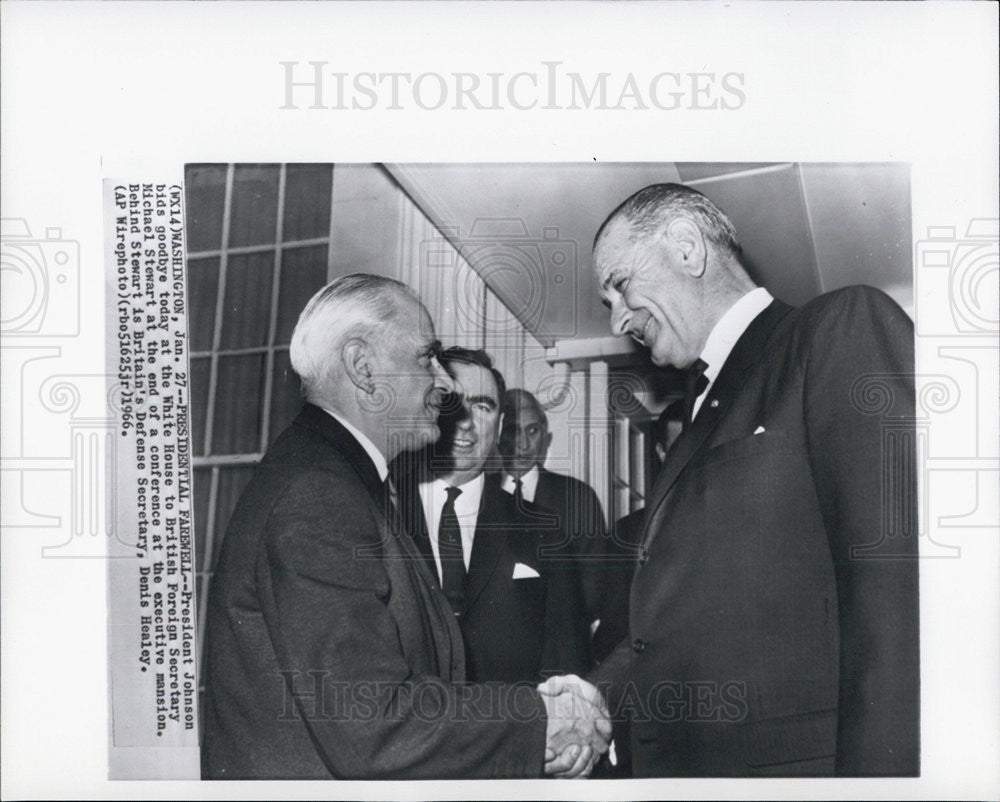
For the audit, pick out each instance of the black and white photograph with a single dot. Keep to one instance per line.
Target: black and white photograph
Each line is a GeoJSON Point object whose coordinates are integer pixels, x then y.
{"type": "Point", "coordinates": [608, 416]}
{"type": "Point", "coordinates": [771, 569]}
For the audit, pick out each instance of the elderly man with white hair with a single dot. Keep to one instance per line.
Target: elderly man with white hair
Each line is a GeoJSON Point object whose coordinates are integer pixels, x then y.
{"type": "Point", "coordinates": [331, 651]}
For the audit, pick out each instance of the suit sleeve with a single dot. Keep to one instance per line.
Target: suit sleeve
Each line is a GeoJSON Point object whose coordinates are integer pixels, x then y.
{"type": "Point", "coordinates": [567, 639]}
{"type": "Point", "coordinates": [622, 548]}
{"type": "Point", "coordinates": [611, 673]}
{"type": "Point", "coordinates": [333, 630]}
{"type": "Point", "coordinates": [588, 524]}
{"type": "Point", "coordinates": [859, 412]}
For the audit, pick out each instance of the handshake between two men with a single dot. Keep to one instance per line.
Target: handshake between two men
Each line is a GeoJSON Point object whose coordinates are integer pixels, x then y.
{"type": "Point", "coordinates": [578, 728]}
{"type": "Point", "coordinates": [842, 699]}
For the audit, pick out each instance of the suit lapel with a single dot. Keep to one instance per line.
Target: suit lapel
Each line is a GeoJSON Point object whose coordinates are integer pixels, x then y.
{"type": "Point", "coordinates": [745, 355]}
{"type": "Point", "coordinates": [416, 556]}
{"type": "Point", "coordinates": [543, 490]}
{"type": "Point", "coordinates": [487, 545]}
{"type": "Point", "coordinates": [446, 643]}
{"type": "Point", "coordinates": [415, 525]}
{"type": "Point", "coordinates": [680, 454]}
{"type": "Point", "coordinates": [415, 549]}
{"type": "Point", "coordinates": [321, 423]}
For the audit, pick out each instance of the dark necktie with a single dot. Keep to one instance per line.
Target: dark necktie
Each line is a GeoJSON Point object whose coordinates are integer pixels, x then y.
{"type": "Point", "coordinates": [694, 385]}
{"type": "Point", "coordinates": [518, 493]}
{"type": "Point", "coordinates": [450, 552]}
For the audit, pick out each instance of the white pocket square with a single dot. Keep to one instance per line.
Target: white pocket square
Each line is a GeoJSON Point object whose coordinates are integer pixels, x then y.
{"type": "Point", "coordinates": [522, 571]}
{"type": "Point", "coordinates": [759, 430]}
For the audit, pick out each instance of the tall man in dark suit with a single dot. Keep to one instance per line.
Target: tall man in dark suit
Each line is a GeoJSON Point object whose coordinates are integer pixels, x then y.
{"type": "Point", "coordinates": [331, 651]}
{"type": "Point", "coordinates": [574, 515]}
{"type": "Point", "coordinates": [774, 610]}
{"type": "Point", "coordinates": [518, 617]}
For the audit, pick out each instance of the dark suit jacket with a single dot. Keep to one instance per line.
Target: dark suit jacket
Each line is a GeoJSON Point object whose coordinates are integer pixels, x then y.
{"type": "Point", "coordinates": [578, 531]}
{"type": "Point", "coordinates": [622, 553]}
{"type": "Point", "coordinates": [515, 630]}
{"type": "Point", "coordinates": [774, 611]}
{"type": "Point", "coordinates": [331, 653]}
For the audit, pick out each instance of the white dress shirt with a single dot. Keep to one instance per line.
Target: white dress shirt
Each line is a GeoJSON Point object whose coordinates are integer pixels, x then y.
{"type": "Point", "coordinates": [726, 332]}
{"type": "Point", "coordinates": [433, 496]}
{"type": "Point", "coordinates": [370, 449]}
{"type": "Point", "coordinates": [529, 484]}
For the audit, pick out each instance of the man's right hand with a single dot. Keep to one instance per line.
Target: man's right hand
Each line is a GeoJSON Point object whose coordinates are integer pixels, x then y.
{"type": "Point", "coordinates": [578, 728]}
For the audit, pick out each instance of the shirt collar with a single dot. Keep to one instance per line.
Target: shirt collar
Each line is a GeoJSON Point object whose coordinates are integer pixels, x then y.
{"type": "Point", "coordinates": [529, 482]}
{"type": "Point", "coordinates": [472, 492]}
{"type": "Point", "coordinates": [730, 328]}
{"type": "Point", "coordinates": [370, 449]}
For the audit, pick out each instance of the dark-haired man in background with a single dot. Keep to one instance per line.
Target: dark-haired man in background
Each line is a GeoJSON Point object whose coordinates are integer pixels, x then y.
{"type": "Point", "coordinates": [518, 616]}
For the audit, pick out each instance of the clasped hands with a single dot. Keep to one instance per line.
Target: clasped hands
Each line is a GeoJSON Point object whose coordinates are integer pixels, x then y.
{"type": "Point", "coordinates": [578, 729]}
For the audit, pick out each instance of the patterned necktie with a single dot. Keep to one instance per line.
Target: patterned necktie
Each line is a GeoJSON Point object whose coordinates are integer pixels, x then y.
{"type": "Point", "coordinates": [694, 385]}
{"type": "Point", "coordinates": [450, 552]}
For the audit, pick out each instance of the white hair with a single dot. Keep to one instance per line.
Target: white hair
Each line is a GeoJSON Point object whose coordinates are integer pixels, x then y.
{"type": "Point", "coordinates": [357, 305]}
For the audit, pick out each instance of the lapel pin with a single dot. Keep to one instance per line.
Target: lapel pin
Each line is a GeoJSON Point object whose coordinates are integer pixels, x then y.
{"type": "Point", "coordinates": [715, 403]}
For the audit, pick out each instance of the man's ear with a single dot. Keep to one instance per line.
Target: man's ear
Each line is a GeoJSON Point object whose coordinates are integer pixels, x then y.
{"type": "Point", "coordinates": [355, 354]}
{"type": "Point", "coordinates": [687, 245]}
{"type": "Point", "coordinates": [546, 442]}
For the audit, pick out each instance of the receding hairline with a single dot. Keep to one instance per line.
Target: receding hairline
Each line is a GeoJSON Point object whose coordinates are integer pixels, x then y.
{"type": "Point", "coordinates": [637, 213]}
{"type": "Point", "coordinates": [517, 397]}
{"type": "Point", "coordinates": [609, 221]}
